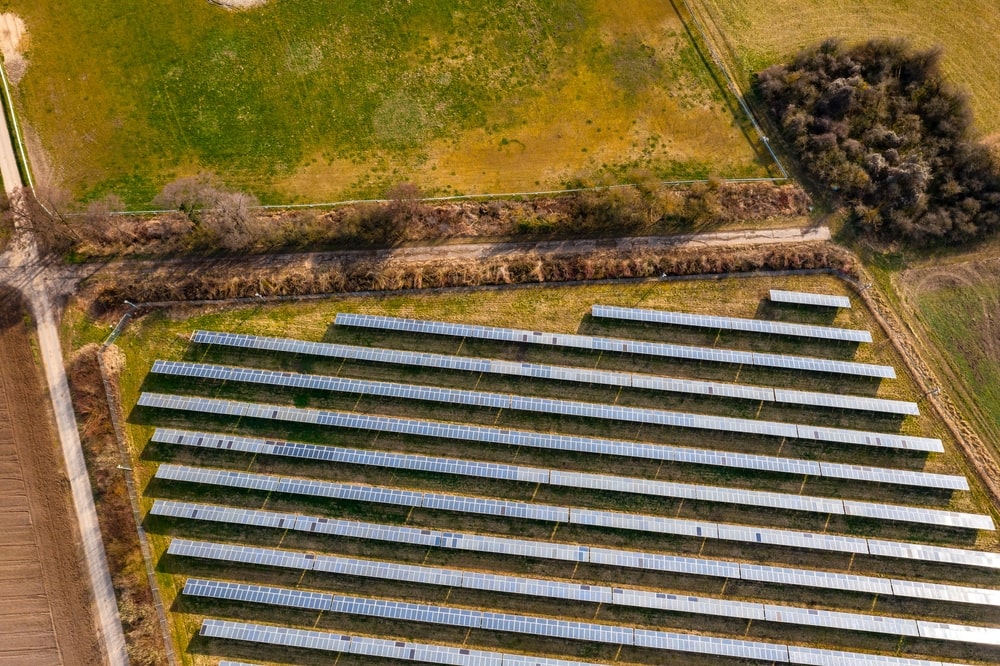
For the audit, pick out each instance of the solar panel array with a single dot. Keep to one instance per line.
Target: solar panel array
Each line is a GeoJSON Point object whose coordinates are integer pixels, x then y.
{"type": "Point", "coordinates": [554, 372]}
{"type": "Point", "coordinates": [537, 587]}
{"type": "Point", "coordinates": [618, 345]}
{"type": "Point", "coordinates": [561, 514]}
{"type": "Point", "coordinates": [576, 630]}
{"type": "Point", "coordinates": [846, 618]}
{"type": "Point", "coordinates": [806, 298]}
{"type": "Point", "coordinates": [519, 473]}
{"type": "Point", "coordinates": [594, 445]}
{"type": "Point", "coordinates": [730, 323]}
{"type": "Point", "coordinates": [545, 405]}
{"type": "Point", "coordinates": [436, 654]}
{"type": "Point", "coordinates": [546, 550]}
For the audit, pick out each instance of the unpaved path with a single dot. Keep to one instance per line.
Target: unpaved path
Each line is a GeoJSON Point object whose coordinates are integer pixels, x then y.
{"type": "Point", "coordinates": [45, 604]}
{"type": "Point", "coordinates": [64, 278]}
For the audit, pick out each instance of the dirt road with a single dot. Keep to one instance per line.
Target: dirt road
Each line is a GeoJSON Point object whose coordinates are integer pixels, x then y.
{"type": "Point", "coordinates": [45, 605]}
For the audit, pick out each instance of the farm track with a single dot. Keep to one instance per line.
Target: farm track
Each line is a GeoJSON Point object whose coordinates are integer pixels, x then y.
{"type": "Point", "coordinates": [456, 252]}
{"type": "Point", "coordinates": [45, 613]}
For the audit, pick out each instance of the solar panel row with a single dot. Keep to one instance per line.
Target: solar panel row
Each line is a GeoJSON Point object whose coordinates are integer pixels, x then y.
{"type": "Point", "coordinates": [508, 622]}
{"type": "Point", "coordinates": [620, 559]}
{"type": "Point", "coordinates": [243, 409]}
{"type": "Point", "coordinates": [545, 405]}
{"type": "Point", "coordinates": [499, 471]}
{"type": "Point", "coordinates": [541, 626]}
{"type": "Point", "coordinates": [806, 298]}
{"type": "Point", "coordinates": [618, 345]}
{"type": "Point", "coordinates": [582, 444]}
{"type": "Point", "coordinates": [730, 323]}
{"type": "Point", "coordinates": [552, 589]}
{"type": "Point", "coordinates": [555, 372]}
{"type": "Point", "coordinates": [579, 516]}
{"type": "Point", "coordinates": [359, 645]}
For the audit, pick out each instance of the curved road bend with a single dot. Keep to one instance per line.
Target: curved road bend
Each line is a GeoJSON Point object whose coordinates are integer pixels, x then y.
{"type": "Point", "coordinates": [21, 268]}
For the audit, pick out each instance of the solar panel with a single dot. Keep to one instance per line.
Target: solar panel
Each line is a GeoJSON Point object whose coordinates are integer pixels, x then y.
{"type": "Point", "coordinates": [811, 578]}
{"type": "Point", "coordinates": [940, 592]}
{"type": "Point", "coordinates": [863, 438]}
{"type": "Point", "coordinates": [497, 471]}
{"type": "Point", "coordinates": [730, 323]}
{"type": "Point", "coordinates": [555, 551]}
{"type": "Point", "coordinates": [474, 398]}
{"type": "Point", "coordinates": [360, 645]}
{"type": "Point", "coordinates": [959, 632]}
{"type": "Point", "coordinates": [727, 647]}
{"type": "Point", "coordinates": [486, 365]}
{"type": "Point", "coordinates": [559, 514]}
{"type": "Point", "coordinates": [505, 436]}
{"type": "Point", "coordinates": [555, 372]}
{"type": "Point", "coordinates": [851, 402]}
{"type": "Point", "coordinates": [259, 594]}
{"type": "Point", "coordinates": [805, 298]}
{"type": "Point", "coordinates": [916, 551]}
{"type": "Point", "coordinates": [544, 405]}
{"type": "Point", "coordinates": [617, 345]}
{"type": "Point", "coordinates": [879, 624]}
{"type": "Point", "coordinates": [821, 657]}
{"type": "Point", "coordinates": [913, 514]}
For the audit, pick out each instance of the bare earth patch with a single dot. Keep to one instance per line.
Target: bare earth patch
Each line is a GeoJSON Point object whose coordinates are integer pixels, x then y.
{"type": "Point", "coordinates": [13, 39]}
{"type": "Point", "coordinates": [238, 4]}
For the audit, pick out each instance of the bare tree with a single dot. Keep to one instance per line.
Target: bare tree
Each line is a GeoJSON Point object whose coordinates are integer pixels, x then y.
{"type": "Point", "coordinates": [225, 217]}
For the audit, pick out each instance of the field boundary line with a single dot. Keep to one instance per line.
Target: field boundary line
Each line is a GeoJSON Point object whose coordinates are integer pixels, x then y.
{"type": "Point", "coordinates": [14, 128]}
{"type": "Point", "coordinates": [126, 468]}
{"type": "Point", "coordinates": [485, 196]}
{"type": "Point", "coordinates": [735, 89]}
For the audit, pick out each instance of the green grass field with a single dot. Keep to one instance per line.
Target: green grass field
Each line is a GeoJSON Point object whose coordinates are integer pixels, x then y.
{"type": "Point", "coordinates": [309, 100]}
{"type": "Point", "coordinates": [959, 304]}
{"type": "Point", "coordinates": [759, 33]}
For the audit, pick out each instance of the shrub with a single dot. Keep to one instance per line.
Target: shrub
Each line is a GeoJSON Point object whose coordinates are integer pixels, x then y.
{"type": "Point", "coordinates": [879, 126]}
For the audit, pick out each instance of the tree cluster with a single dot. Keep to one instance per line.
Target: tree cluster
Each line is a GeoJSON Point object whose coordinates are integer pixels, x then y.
{"type": "Point", "coordinates": [879, 126]}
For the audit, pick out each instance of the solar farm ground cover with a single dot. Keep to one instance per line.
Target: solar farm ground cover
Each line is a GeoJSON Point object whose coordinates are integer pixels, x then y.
{"type": "Point", "coordinates": [318, 101]}
{"type": "Point", "coordinates": [559, 310]}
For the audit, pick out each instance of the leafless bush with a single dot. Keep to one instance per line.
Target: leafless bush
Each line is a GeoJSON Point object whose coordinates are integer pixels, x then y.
{"type": "Point", "coordinates": [224, 218]}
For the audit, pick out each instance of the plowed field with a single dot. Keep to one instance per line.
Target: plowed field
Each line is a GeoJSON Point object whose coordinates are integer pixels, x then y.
{"type": "Point", "coordinates": [45, 607]}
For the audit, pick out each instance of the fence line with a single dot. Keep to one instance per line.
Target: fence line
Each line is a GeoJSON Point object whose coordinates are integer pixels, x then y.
{"type": "Point", "coordinates": [733, 87]}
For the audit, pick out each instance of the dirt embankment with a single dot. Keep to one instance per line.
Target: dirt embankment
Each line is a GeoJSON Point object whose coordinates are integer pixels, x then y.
{"type": "Point", "coordinates": [46, 612]}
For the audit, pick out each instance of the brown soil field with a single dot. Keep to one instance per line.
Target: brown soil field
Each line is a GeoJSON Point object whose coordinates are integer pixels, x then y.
{"type": "Point", "coordinates": [45, 605]}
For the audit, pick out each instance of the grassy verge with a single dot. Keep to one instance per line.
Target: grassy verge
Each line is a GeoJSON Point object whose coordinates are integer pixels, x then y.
{"type": "Point", "coordinates": [318, 101]}
{"type": "Point", "coordinates": [956, 304]}
{"type": "Point", "coordinates": [136, 609]}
